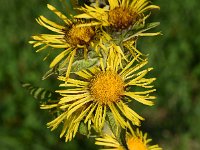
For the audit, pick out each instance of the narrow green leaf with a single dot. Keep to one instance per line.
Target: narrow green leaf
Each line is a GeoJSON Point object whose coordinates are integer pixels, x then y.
{"type": "Point", "coordinates": [116, 129]}
{"type": "Point", "coordinates": [83, 64]}
{"type": "Point", "coordinates": [119, 133]}
{"type": "Point", "coordinates": [39, 93]}
{"type": "Point", "coordinates": [134, 33]}
{"type": "Point", "coordinates": [78, 65]}
{"type": "Point", "coordinates": [83, 129]}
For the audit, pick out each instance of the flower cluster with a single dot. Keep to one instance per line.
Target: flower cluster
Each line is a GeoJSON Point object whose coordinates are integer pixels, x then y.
{"type": "Point", "coordinates": [91, 93]}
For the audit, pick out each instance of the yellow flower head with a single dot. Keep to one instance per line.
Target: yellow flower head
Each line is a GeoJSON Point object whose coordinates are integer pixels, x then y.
{"type": "Point", "coordinates": [103, 88]}
{"type": "Point", "coordinates": [120, 15]}
{"type": "Point", "coordinates": [135, 140]}
{"type": "Point", "coordinates": [68, 36]}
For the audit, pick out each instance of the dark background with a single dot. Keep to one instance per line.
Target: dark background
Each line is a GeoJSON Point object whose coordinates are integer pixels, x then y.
{"type": "Point", "coordinates": [173, 123]}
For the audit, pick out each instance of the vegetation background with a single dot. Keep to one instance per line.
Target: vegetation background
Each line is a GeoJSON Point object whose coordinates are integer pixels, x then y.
{"type": "Point", "coordinates": [174, 122]}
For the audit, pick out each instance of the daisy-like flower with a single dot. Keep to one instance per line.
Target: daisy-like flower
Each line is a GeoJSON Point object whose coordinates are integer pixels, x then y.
{"type": "Point", "coordinates": [68, 36]}
{"type": "Point", "coordinates": [120, 15]}
{"type": "Point", "coordinates": [103, 88]}
{"type": "Point", "coordinates": [135, 140]}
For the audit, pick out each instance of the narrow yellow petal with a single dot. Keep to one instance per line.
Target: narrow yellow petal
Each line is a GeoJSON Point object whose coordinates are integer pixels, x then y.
{"type": "Point", "coordinates": [77, 82]}
{"type": "Point", "coordinates": [86, 16]}
{"type": "Point", "coordinates": [90, 113]}
{"type": "Point", "coordinates": [127, 66]}
{"type": "Point", "coordinates": [70, 63]}
{"type": "Point", "coordinates": [58, 58]}
{"type": "Point", "coordinates": [48, 106]}
{"type": "Point", "coordinates": [59, 14]}
{"type": "Point", "coordinates": [75, 91]}
{"type": "Point", "coordinates": [118, 118]}
{"type": "Point", "coordinates": [42, 48]}
{"type": "Point", "coordinates": [149, 34]}
{"type": "Point", "coordinates": [141, 99]}
{"type": "Point", "coordinates": [94, 69]}
{"type": "Point", "coordinates": [76, 105]}
{"type": "Point", "coordinates": [135, 68]}
{"type": "Point", "coordinates": [54, 124]}
{"type": "Point", "coordinates": [129, 113]}
{"type": "Point", "coordinates": [49, 27]}
{"type": "Point", "coordinates": [68, 99]}
{"type": "Point", "coordinates": [65, 126]}
{"type": "Point", "coordinates": [70, 85]}
{"type": "Point", "coordinates": [149, 8]}
{"type": "Point", "coordinates": [51, 23]}
{"type": "Point", "coordinates": [113, 4]}
{"type": "Point", "coordinates": [106, 144]}
{"type": "Point", "coordinates": [144, 92]}
{"type": "Point", "coordinates": [139, 76]}
{"type": "Point", "coordinates": [83, 113]}
{"type": "Point", "coordinates": [102, 64]}
{"type": "Point", "coordinates": [97, 117]}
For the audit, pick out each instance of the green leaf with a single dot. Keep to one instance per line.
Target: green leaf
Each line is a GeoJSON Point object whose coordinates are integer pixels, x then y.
{"type": "Point", "coordinates": [149, 26]}
{"type": "Point", "coordinates": [116, 129]}
{"type": "Point", "coordinates": [83, 129]}
{"type": "Point", "coordinates": [61, 68]}
{"type": "Point", "coordinates": [135, 33]}
{"type": "Point", "coordinates": [84, 64]}
{"type": "Point", "coordinates": [50, 72]}
{"type": "Point", "coordinates": [39, 93]}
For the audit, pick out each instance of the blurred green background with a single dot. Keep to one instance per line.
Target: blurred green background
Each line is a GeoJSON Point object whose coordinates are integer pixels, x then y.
{"type": "Point", "coordinates": [174, 122]}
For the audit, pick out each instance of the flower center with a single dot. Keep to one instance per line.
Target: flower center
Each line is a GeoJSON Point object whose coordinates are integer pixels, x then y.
{"type": "Point", "coordinates": [136, 144]}
{"type": "Point", "coordinates": [106, 87]}
{"type": "Point", "coordinates": [121, 18]}
{"type": "Point", "coordinates": [79, 35]}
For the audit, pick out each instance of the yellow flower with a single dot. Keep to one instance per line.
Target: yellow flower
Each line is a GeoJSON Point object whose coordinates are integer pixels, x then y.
{"type": "Point", "coordinates": [135, 140]}
{"type": "Point", "coordinates": [120, 15]}
{"type": "Point", "coordinates": [99, 89]}
{"type": "Point", "coordinates": [68, 36]}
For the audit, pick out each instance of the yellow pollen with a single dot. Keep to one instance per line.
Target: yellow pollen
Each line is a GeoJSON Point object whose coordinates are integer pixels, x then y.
{"type": "Point", "coordinates": [79, 35]}
{"type": "Point", "coordinates": [135, 143]}
{"type": "Point", "coordinates": [121, 18]}
{"type": "Point", "coordinates": [106, 87]}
